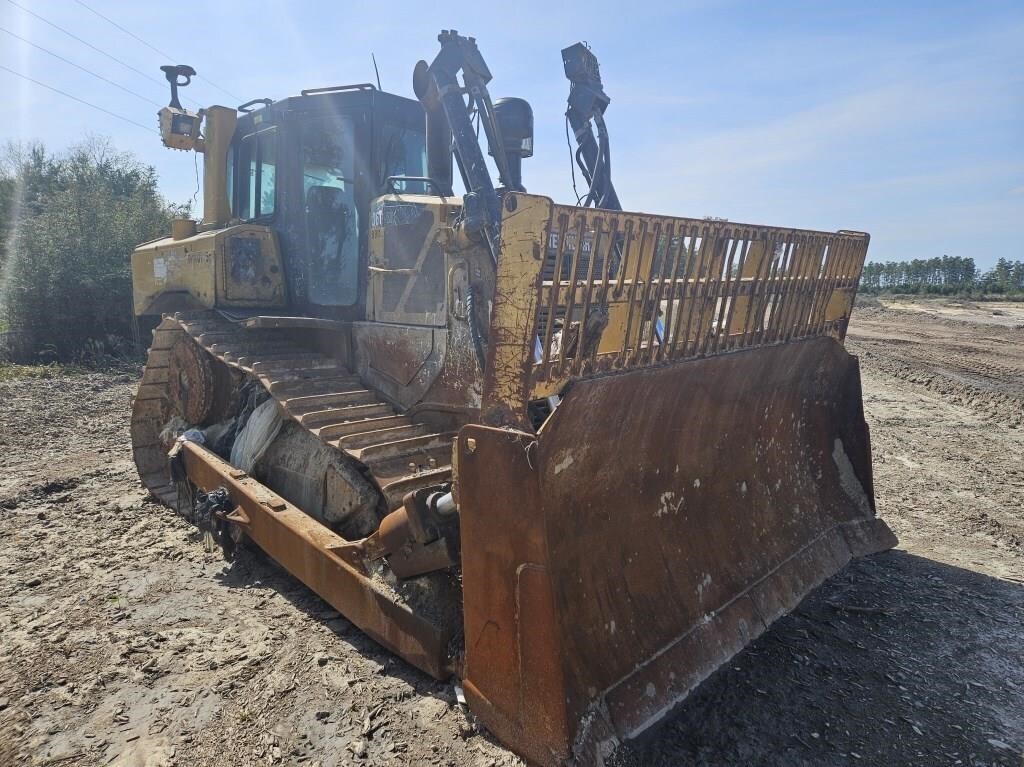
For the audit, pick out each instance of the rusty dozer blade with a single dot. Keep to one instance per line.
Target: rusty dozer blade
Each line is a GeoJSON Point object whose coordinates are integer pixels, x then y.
{"type": "Point", "coordinates": [654, 527]}
{"type": "Point", "coordinates": [672, 506]}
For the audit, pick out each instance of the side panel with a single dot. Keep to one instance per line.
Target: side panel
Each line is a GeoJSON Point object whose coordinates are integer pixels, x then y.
{"type": "Point", "coordinates": [236, 267]}
{"type": "Point", "coordinates": [251, 273]}
{"type": "Point", "coordinates": [171, 274]}
{"type": "Point", "coordinates": [417, 347]}
{"type": "Point", "coordinates": [408, 275]}
{"type": "Point", "coordinates": [401, 361]}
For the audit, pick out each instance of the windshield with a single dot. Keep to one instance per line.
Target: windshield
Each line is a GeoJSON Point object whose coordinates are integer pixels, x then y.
{"type": "Point", "coordinates": [403, 153]}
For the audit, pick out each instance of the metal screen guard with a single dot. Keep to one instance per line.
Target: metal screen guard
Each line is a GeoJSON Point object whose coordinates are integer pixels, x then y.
{"type": "Point", "coordinates": [582, 292]}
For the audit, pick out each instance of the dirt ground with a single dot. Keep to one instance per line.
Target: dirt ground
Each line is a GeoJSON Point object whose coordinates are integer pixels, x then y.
{"type": "Point", "coordinates": [124, 642]}
{"type": "Point", "coordinates": [1005, 313]}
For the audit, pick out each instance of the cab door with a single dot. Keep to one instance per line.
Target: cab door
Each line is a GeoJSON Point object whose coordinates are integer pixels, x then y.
{"type": "Point", "coordinates": [330, 220]}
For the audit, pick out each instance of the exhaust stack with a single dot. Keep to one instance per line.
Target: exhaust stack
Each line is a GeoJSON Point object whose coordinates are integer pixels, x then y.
{"type": "Point", "coordinates": [439, 131]}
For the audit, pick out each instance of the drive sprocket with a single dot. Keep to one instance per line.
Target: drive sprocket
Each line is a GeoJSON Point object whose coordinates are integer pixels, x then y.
{"type": "Point", "coordinates": [190, 381]}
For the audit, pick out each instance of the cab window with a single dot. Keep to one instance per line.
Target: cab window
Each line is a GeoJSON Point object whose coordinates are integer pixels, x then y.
{"type": "Point", "coordinates": [253, 180]}
{"type": "Point", "coordinates": [403, 153]}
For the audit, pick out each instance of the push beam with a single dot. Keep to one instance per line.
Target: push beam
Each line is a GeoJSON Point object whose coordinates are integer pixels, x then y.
{"type": "Point", "coordinates": [312, 553]}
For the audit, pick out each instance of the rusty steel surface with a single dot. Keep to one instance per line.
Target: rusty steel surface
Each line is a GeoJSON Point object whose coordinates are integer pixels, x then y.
{"type": "Point", "coordinates": [190, 381]}
{"type": "Point", "coordinates": [400, 454]}
{"type": "Point", "coordinates": [610, 564]}
{"type": "Point", "coordinates": [582, 292]}
{"type": "Point", "coordinates": [309, 551]}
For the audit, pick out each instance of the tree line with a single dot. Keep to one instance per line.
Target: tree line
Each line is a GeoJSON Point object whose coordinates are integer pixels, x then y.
{"type": "Point", "coordinates": [944, 275]}
{"type": "Point", "coordinates": [68, 225]}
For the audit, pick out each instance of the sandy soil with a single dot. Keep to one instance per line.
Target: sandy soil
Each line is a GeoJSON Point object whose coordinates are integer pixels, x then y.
{"type": "Point", "coordinates": [124, 642]}
{"type": "Point", "coordinates": [1005, 313]}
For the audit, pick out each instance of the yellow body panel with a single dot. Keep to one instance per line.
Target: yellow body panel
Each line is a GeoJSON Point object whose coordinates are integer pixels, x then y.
{"type": "Point", "coordinates": [408, 263]}
{"type": "Point", "coordinates": [236, 267]}
{"type": "Point", "coordinates": [513, 316]}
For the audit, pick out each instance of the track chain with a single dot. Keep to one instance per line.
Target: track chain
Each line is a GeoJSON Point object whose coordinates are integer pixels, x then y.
{"type": "Point", "coordinates": [317, 391]}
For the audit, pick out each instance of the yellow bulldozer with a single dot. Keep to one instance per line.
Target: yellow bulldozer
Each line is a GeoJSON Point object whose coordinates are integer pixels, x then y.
{"type": "Point", "coordinates": [575, 457]}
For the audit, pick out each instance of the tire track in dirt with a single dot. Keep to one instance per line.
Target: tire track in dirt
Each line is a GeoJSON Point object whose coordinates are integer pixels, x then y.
{"type": "Point", "coordinates": [977, 366]}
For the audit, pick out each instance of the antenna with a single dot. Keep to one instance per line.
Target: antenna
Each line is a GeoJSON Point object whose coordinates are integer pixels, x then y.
{"type": "Point", "coordinates": [376, 70]}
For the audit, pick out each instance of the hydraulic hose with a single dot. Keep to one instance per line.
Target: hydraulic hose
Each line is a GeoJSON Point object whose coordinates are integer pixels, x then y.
{"type": "Point", "coordinates": [474, 329]}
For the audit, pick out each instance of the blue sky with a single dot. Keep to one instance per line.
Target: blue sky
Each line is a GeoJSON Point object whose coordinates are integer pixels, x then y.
{"type": "Point", "coordinates": [903, 119]}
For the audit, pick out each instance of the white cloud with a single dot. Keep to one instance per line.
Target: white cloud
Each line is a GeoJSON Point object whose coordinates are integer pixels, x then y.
{"type": "Point", "coordinates": [825, 133]}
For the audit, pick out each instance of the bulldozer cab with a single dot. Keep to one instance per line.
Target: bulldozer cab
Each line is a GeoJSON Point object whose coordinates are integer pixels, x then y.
{"type": "Point", "coordinates": [308, 167]}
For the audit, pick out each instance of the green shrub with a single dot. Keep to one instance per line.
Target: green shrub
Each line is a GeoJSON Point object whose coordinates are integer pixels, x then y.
{"type": "Point", "coordinates": [71, 227]}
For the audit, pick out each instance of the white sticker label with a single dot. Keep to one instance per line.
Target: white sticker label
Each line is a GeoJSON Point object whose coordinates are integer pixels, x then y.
{"type": "Point", "coordinates": [159, 269]}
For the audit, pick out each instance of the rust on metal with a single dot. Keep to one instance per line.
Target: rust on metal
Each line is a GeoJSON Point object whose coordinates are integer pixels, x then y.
{"type": "Point", "coordinates": [513, 316]}
{"type": "Point", "coordinates": [610, 565]}
{"type": "Point", "coordinates": [315, 389]}
{"type": "Point", "coordinates": [581, 291]}
{"type": "Point", "coordinates": [190, 381]}
{"type": "Point", "coordinates": [307, 550]}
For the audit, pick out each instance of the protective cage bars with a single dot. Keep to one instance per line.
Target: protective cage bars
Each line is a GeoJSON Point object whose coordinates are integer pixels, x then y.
{"type": "Point", "coordinates": [620, 291]}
